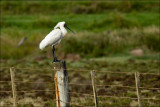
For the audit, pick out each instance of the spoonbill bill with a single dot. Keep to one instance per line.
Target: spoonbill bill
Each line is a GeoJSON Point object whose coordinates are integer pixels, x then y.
{"type": "Point", "coordinates": [54, 38]}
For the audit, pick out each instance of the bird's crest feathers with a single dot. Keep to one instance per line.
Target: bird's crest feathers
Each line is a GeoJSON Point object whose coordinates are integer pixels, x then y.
{"type": "Point", "coordinates": [60, 24]}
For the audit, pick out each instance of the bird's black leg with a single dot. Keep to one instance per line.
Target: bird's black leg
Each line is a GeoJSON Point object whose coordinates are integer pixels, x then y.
{"type": "Point", "coordinates": [54, 55]}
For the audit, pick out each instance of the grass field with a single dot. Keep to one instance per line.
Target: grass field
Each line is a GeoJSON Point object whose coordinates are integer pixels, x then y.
{"type": "Point", "coordinates": [78, 76]}
{"type": "Point", "coordinates": [106, 33]}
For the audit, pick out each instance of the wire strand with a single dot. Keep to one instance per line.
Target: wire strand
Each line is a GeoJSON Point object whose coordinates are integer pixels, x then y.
{"type": "Point", "coordinates": [84, 70]}
{"type": "Point", "coordinates": [84, 85]}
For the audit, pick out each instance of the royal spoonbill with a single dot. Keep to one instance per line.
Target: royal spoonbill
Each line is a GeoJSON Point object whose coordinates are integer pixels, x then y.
{"type": "Point", "coordinates": [54, 38]}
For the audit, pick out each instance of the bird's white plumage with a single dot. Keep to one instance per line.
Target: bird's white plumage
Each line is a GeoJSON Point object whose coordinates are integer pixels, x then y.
{"type": "Point", "coordinates": [54, 37]}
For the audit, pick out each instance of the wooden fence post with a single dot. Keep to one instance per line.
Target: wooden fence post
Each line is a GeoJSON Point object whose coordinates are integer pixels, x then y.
{"type": "Point", "coordinates": [61, 84]}
{"type": "Point", "coordinates": [137, 80]}
{"type": "Point", "coordinates": [13, 86]}
{"type": "Point", "coordinates": [94, 88]}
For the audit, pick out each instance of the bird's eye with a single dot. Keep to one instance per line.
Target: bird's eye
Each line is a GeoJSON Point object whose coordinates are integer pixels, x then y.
{"type": "Point", "coordinates": [65, 25]}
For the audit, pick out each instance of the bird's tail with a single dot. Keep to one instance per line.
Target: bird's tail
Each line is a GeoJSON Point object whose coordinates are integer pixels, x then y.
{"type": "Point", "coordinates": [42, 45]}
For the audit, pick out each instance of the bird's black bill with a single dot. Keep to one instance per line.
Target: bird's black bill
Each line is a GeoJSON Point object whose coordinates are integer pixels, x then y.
{"type": "Point", "coordinates": [69, 28]}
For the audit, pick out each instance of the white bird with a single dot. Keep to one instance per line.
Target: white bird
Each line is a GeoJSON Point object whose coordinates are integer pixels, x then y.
{"type": "Point", "coordinates": [54, 37]}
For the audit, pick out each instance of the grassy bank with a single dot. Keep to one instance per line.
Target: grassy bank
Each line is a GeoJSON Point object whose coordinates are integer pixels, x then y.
{"type": "Point", "coordinates": [102, 28]}
{"type": "Point", "coordinates": [81, 23]}
{"type": "Point", "coordinates": [77, 7]}
{"type": "Point", "coordinates": [106, 33]}
{"type": "Point", "coordinates": [85, 44]}
{"type": "Point", "coordinates": [89, 22]}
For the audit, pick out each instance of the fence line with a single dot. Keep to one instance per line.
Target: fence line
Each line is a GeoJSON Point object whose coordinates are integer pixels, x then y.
{"type": "Point", "coordinates": [137, 83]}
{"type": "Point", "coordinates": [4, 81]}
{"type": "Point", "coordinates": [119, 97]}
{"type": "Point", "coordinates": [32, 82]}
{"type": "Point", "coordinates": [150, 99]}
{"type": "Point", "coordinates": [87, 84]}
{"type": "Point", "coordinates": [116, 86]}
{"type": "Point", "coordinates": [83, 70]}
{"type": "Point", "coordinates": [90, 95]}
{"type": "Point", "coordinates": [132, 87]}
{"type": "Point", "coordinates": [149, 88]}
{"type": "Point", "coordinates": [79, 93]}
{"type": "Point", "coordinates": [14, 93]}
{"type": "Point", "coordinates": [31, 91]}
{"type": "Point", "coordinates": [4, 91]}
{"type": "Point", "coordinates": [130, 98]}
{"type": "Point", "coordinates": [37, 91]}
{"type": "Point", "coordinates": [94, 88]}
{"type": "Point", "coordinates": [24, 82]}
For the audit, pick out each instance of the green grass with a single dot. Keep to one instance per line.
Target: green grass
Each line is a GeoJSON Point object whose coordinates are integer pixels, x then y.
{"type": "Point", "coordinates": [77, 7]}
{"type": "Point", "coordinates": [79, 76]}
{"type": "Point", "coordinates": [112, 33]}
{"type": "Point", "coordinates": [114, 28]}
{"type": "Point", "coordinates": [79, 23]}
{"type": "Point", "coordinates": [106, 33]}
{"type": "Point", "coordinates": [85, 44]}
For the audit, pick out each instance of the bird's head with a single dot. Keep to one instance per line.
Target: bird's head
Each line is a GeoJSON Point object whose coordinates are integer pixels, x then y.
{"type": "Point", "coordinates": [63, 24]}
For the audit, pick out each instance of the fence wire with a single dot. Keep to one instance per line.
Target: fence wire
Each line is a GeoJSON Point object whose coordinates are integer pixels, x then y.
{"type": "Point", "coordinates": [80, 70]}
{"type": "Point", "coordinates": [148, 88]}
{"type": "Point", "coordinates": [79, 93]}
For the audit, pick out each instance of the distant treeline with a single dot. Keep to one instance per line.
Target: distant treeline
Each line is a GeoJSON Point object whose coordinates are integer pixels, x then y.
{"type": "Point", "coordinates": [76, 7]}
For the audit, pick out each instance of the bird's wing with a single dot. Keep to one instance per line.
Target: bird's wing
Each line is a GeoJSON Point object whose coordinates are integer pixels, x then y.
{"type": "Point", "coordinates": [51, 39]}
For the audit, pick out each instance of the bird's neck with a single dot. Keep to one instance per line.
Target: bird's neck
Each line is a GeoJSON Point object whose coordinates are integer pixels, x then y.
{"type": "Point", "coordinates": [64, 31]}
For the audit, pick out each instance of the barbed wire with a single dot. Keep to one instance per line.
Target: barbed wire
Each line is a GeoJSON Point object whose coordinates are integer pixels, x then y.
{"type": "Point", "coordinates": [118, 97]}
{"type": "Point", "coordinates": [84, 70]}
{"type": "Point", "coordinates": [90, 95]}
{"type": "Point", "coordinates": [4, 81]}
{"type": "Point", "coordinates": [1, 91]}
{"type": "Point", "coordinates": [130, 98]}
{"type": "Point", "coordinates": [31, 91]}
{"type": "Point", "coordinates": [148, 88]}
{"type": "Point", "coordinates": [150, 99]}
{"type": "Point", "coordinates": [26, 82]}
{"type": "Point", "coordinates": [86, 84]}
{"type": "Point", "coordinates": [115, 86]}
{"type": "Point", "coordinates": [109, 96]}
{"type": "Point", "coordinates": [79, 84]}
{"type": "Point", "coordinates": [86, 94]}
{"type": "Point", "coordinates": [75, 104]}
{"type": "Point", "coordinates": [80, 93]}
